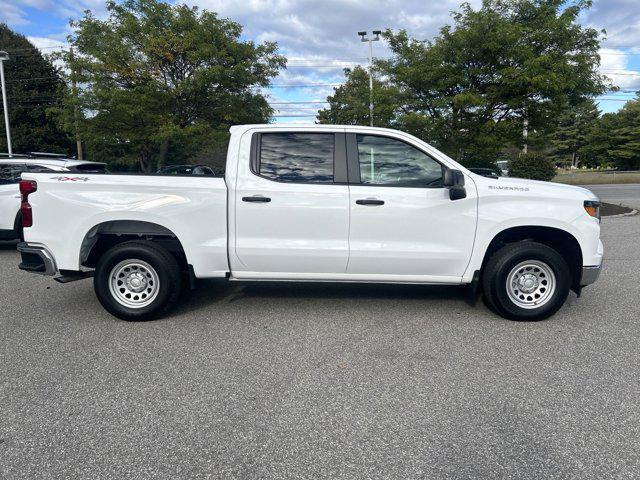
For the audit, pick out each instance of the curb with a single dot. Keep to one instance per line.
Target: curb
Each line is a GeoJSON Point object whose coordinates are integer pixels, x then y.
{"type": "Point", "coordinates": [628, 214]}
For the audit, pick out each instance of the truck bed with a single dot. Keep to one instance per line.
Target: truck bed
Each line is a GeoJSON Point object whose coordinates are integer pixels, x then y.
{"type": "Point", "coordinates": [68, 210]}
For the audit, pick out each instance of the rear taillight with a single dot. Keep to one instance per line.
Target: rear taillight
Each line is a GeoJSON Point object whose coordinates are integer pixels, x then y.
{"type": "Point", "coordinates": [26, 188]}
{"type": "Point", "coordinates": [592, 208]}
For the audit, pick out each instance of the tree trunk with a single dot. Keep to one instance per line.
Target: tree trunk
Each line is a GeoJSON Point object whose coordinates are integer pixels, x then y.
{"type": "Point", "coordinates": [162, 156]}
{"type": "Point", "coordinates": [143, 158]}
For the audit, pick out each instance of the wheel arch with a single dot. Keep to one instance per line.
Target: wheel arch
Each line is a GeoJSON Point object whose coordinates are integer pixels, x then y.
{"type": "Point", "coordinates": [106, 235]}
{"type": "Point", "coordinates": [560, 240]}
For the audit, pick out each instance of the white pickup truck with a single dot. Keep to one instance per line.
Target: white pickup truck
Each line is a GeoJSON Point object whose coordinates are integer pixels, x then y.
{"type": "Point", "coordinates": [314, 203]}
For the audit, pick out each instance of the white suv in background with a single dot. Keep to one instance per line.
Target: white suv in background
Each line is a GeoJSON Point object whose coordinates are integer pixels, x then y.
{"type": "Point", "coordinates": [11, 168]}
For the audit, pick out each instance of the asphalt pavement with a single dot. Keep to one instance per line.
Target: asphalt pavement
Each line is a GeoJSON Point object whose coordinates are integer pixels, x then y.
{"type": "Point", "coordinates": [322, 381]}
{"type": "Point", "coordinates": [624, 194]}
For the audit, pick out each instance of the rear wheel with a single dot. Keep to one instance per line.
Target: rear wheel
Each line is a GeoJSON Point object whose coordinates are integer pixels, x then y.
{"type": "Point", "coordinates": [526, 281]}
{"type": "Point", "coordinates": [137, 280]}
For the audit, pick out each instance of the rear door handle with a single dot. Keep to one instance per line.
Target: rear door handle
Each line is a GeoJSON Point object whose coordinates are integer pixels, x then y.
{"type": "Point", "coordinates": [256, 199]}
{"type": "Point", "coordinates": [370, 201]}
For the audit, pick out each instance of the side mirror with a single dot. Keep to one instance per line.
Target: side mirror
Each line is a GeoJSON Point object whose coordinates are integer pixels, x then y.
{"type": "Point", "coordinates": [454, 181]}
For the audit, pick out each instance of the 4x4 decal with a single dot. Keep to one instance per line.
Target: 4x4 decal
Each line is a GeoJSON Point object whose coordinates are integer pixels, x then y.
{"type": "Point", "coordinates": [71, 179]}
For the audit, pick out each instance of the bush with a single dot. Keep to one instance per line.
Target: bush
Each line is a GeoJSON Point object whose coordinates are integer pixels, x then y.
{"type": "Point", "coordinates": [533, 166]}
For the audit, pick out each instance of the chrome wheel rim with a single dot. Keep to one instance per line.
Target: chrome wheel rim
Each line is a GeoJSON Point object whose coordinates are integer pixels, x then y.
{"type": "Point", "coordinates": [134, 283]}
{"type": "Point", "coordinates": [531, 284]}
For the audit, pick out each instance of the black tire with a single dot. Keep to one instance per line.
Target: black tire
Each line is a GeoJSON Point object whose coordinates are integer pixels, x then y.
{"type": "Point", "coordinates": [164, 266]}
{"type": "Point", "coordinates": [498, 268]}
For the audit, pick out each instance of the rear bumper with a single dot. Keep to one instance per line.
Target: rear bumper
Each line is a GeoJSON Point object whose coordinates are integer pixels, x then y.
{"type": "Point", "coordinates": [590, 275]}
{"type": "Point", "coordinates": [36, 259]}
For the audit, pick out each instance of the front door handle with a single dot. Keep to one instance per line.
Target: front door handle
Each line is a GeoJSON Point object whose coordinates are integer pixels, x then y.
{"type": "Point", "coordinates": [370, 201]}
{"type": "Point", "coordinates": [256, 199]}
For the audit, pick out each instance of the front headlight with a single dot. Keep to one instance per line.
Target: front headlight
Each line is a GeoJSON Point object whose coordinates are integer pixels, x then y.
{"type": "Point", "coordinates": [592, 207]}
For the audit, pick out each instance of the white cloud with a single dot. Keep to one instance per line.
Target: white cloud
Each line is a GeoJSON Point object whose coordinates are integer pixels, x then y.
{"type": "Point", "coordinates": [16, 12]}
{"type": "Point", "coordinates": [615, 65]}
{"type": "Point", "coordinates": [48, 44]}
{"type": "Point", "coordinates": [620, 19]}
{"type": "Point", "coordinates": [12, 14]}
{"type": "Point", "coordinates": [328, 28]}
{"type": "Point", "coordinates": [321, 34]}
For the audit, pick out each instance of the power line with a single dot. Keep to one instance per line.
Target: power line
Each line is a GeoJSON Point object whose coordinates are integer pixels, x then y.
{"type": "Point", "coordinates": [39, 48]}
{"type": "Point", "coordinates": [22, 80]}
{"type": "Point", "coordinates": [624, 74]}
{"type": "Point", "coordinates": [297, 103]}
{"type": "Point", "coordinates": [311, 65]}
{"type": "Point", "coordinates": [304, 85]}
{"type": "Point", "coordinates": [34, 54]}
{"type": "Point", "coordinates": [613, 100]}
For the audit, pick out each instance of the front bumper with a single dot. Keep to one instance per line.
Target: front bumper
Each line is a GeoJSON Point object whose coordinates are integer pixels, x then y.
{"type": "Point", "coordinates": [36, 259]}
{"type": "Point", "coordinates": [590, 275]}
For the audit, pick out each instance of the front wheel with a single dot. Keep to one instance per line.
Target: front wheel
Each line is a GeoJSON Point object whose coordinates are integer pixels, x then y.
{"type": "Point", "coordinates": [137, 280]}
{"type": "Point", "coordinates": [526, 281]}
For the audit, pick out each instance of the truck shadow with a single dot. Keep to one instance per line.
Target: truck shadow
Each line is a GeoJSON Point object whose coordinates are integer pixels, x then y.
{"type": "Point", "coordinates": [209, 293]}
{"type": "Point", "coordinates": [8, 245]}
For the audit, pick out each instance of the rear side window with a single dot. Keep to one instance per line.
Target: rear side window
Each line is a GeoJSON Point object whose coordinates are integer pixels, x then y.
{"type": "Point", "coordinates": [38, 169]}
{"type": "Point", "coordinates": [297, 157]}
{"type": "Point", "coordinates": [10, 174]}
{"type": "Point", "coordinates": [89, 168]}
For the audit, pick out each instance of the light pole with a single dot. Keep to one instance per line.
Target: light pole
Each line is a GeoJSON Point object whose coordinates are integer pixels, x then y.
{"type": "Point", "coordinates": [364, 38]}
{"type": "Point", "coordinates": [5, 56]}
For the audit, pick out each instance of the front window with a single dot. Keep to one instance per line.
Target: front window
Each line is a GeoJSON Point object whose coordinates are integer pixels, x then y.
{"type": "Point", "coordinates": [389, 162]}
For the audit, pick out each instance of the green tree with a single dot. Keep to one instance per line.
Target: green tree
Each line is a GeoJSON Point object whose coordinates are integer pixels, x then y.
{"type": "Point", "coordinates": [34, 88]}
{"type": "Point", "coordinates": [534, 166]}
{"type": "Point", "coordinates": [162, 81]}
{"type": "Point", "coordinates": [599, 142]}
{"type": "Point", "coordinates": [470, 90]}
{"type": "Point", "coordinates": [349, 104]}
{"type": "Point", "coordinates": [571, 132]}
{"type": "Point", "coordinates": [625, 138]}
{"type": "Point", "coordinates": [613, 141]}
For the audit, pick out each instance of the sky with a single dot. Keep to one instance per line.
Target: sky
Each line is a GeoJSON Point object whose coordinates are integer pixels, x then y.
{"type": "Point", "coordinates": [319, 37]}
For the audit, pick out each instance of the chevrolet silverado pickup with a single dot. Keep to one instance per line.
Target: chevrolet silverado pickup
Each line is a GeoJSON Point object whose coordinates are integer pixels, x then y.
{"type": "Point", "coordinates": [314, 203]}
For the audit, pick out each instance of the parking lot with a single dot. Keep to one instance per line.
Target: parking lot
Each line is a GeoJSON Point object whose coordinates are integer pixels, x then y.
{"type": "Point", "coordinates": [321, 381]}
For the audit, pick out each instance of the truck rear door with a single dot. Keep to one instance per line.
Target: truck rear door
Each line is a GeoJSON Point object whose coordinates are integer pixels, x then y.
{"type": "Point", "coordinates": [292, 205]}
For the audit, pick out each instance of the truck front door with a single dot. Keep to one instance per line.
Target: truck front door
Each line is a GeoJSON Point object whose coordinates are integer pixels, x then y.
{"type": "Point", "coordinates": [404, 226]}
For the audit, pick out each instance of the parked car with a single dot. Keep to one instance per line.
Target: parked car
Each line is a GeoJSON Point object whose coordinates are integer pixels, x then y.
{"type": "Point", "coordinates": [503, 165]}
{"type": "Point", "coordinates": [187, 170]}
{"type": "Point", "coordinates": [11, 168]}
{"type": "Point", "coordinates": [486, 172]}
{"type": "Point", "coordinates": [315, 203]}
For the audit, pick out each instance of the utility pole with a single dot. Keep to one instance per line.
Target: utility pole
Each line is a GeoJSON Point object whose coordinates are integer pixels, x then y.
{"type": "Point", "coordinates": [76, 116]}
{"type": "Point", "coordinates": [364, 38]}
{"type": "Point", "coordinates": [3, 57]}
